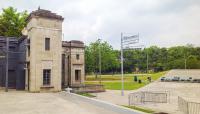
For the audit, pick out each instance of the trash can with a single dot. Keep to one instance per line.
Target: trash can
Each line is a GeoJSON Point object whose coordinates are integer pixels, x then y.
{"type": "Point", "coordinates": [139, 81]}
{"type": "Point", "coordinates": [135, 78]}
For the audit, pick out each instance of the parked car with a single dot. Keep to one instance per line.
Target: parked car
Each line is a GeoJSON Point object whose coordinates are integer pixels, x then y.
{"type": "Point", "coordinates": [196, 80]}
{"type": "Point", "coordinates": [189, 79]}
{"type": "Point", "coordinates": [186, 78]}
{"type": "Point", "coordinates": [176, 78]}
{"type": "Point", "coordinates": [162, 79]}
{"type": "Point", "coordinates": [168, 79]}
{"type": "Point", "coordinates": [183, 79]}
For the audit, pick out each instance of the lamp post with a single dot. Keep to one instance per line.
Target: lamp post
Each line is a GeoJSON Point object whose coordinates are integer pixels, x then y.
{"type": "Point", "coordinates": [185, 62]}
{"type": "Point", "coordinates": [100, 59]}
{"type": "Point", "coordinates": [147, 62]}
{"type": "Point", "coordinates": [122, 66]}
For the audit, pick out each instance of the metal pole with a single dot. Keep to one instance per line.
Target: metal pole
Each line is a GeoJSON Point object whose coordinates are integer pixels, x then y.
{"type": "Point", "coordinates": [147, 62]}
{"type": "Point", "coordinates": [7, 49]}
{"type": "Point", "coordinates": [100, 59]}
{"type": "Point", "coordinates": [122, 70]}
{"type": "Point", "coordinates": [129, 100]}
{"type": "Point", "coordinates": [185, 62]}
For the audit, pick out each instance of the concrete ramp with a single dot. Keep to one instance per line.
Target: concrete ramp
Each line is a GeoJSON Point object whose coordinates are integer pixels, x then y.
{"type": "Point", "coordinates": [194, 73]}
{"type": "Point", "coordinates": [105, 105]}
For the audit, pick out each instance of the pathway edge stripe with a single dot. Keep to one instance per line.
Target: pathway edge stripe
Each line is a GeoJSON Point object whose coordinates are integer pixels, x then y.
{"type": "Point", "coordinates": [108, 103]}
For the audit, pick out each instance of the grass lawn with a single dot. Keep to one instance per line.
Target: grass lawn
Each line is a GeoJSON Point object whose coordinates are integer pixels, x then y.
{"type": "Point", "coordinates": [140, 109]}
{"type": "Point", "coordinates": [86, 94]}
{"type": "Point", "coordinates": [113, 82]}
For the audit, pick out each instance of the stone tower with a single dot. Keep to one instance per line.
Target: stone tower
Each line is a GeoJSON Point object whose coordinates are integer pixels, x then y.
{"type": "Point", "coordinates": [43, 54]}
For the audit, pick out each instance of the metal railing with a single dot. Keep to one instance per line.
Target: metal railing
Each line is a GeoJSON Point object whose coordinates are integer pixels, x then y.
{"type": "Point", "coordinates": [182, 105]}
{"type": "Point", "coordinates": [188, 107]}
{"type": "Point", "coordinates": [148, 97]}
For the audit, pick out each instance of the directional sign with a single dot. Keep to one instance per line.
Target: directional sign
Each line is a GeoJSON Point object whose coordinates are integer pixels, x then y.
{"type": "Point", "coordinates": [129, 43]}
{"type": "Point", "coordinates": [130, 37]}
{"type": "Point", "coordinates": [130, 40]}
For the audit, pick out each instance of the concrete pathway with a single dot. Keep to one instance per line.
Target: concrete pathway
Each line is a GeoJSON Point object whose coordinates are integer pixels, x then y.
{"type": "Point", "coordinates": [55, 103]}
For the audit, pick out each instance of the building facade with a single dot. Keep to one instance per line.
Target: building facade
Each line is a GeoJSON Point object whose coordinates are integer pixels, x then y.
{"type": "Point", "coordinates": [73, 63]}
{"type": "Point", "coordinates": [16, 78]}
{"type": "Point", "coordinates": [48, 63]}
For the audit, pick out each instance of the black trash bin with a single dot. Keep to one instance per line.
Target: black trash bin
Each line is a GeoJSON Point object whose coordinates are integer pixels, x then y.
{"type": "Point", "coordinates": [135, 78]}
{"type": "Point", "coordinates": [139, 81]}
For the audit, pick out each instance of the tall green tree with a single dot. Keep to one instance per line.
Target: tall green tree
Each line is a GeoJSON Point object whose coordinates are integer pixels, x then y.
{"type": "Point", "coordinates": [12, 22]}
{"type": "Point", "coordinates": [109, 59]}
{"type": "Point", "coordinates": [159, 58]}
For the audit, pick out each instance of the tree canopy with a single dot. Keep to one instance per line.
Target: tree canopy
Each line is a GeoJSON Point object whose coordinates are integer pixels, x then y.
{"type": "Point", "coordinates": [109, 59]}
{"type": "Point", "coordinates": [12, 22]}
{"type": "Point", "coordinates": [158, 58]}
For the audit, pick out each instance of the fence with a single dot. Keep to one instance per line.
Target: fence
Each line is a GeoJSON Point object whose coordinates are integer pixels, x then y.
{"type": "Point", "coordinates": [148, 97]}
{"type": "Point", "coordinates": [188, 107]}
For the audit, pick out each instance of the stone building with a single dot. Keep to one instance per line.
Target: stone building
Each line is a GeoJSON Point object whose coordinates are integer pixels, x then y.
{"type": "Point", "coordinates": [73, 63]}
{"type": "Point", "coordinates": [48, 63]}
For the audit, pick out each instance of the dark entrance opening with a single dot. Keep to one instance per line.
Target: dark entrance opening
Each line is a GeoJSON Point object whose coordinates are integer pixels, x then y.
{"type": "Point", "coordinates": [20, 80]}
{"type": "Point", "coordinates": [1, 76]}
{"type": "Point", "coordinates": [77, 75]}
{"type": "Point", "coordinates": [11, 79]}
{"type": "Point", "coordinates": [63, 71]}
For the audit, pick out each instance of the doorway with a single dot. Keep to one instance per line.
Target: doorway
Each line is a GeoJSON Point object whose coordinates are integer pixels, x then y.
{"type": "Point", "coordinates": [1, 76]}
{"type": "Point", "coordinates": [78, 75]}
{"type": "Point", "coordinates": [11, 79]}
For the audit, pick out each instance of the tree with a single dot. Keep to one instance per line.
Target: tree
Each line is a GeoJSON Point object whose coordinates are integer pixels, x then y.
{"type": "Point", "coordinates": [109, 59]}
{"type": "Point", "coordinates": [12, 22]}
{"type": "Point", "coordinates": [192, 62]}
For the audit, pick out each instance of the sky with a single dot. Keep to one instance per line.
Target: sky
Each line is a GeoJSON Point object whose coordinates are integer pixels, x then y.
{"type": "Point", "coordinates": [164, 23]}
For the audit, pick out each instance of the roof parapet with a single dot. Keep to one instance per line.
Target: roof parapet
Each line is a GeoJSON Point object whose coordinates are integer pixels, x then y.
{"type": "Point", "coordinates": [45, 14]}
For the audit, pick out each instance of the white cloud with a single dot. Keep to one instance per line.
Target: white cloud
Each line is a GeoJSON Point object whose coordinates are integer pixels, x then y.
{"type": "Point", "coordinates": [163, 23]}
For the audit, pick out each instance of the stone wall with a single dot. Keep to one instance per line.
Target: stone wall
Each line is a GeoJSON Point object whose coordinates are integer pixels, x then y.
{"type": "Point", "coordinates": [39, 29]}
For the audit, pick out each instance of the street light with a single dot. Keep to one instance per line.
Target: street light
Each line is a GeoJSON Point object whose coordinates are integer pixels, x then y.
{"type": "Point", "coordinates": [147, 61]}
{"type": "Point", "coordinates": [185, 62]}
{"type": "Point", "coordinates": [100, 59]}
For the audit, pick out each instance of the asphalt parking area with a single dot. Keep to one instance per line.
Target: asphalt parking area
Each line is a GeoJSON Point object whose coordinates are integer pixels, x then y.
{"type": "Point", "coordinates": [52, 103]}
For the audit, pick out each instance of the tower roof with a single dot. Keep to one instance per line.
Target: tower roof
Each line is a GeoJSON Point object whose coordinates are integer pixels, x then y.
{"type": "Point", "coordinates": [45, 14]}
{"type": "Point", "coordinates": [73, 43]}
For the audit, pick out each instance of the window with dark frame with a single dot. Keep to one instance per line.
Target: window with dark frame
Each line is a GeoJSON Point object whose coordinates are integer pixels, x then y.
{"type": "Point", "coordinates": [47, 44]}
{"type": "Point", "coordinates": [77, 56]}
{"type": "Point", "coordinates": [46, 77]}
{"type": "Point", "coordinates": [29, 51]}
{"type": "Point", "coordinates": [77, 75]}
{"type": "Point", "coordinates": [28, 46]}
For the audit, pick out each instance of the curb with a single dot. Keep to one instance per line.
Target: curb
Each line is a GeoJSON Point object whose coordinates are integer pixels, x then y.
{"type": "Point", "coordinates": [109, 105]}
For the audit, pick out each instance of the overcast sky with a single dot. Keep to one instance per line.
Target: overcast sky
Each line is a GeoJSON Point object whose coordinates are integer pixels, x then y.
{"type": "Point", "coordinates": [159, 22]}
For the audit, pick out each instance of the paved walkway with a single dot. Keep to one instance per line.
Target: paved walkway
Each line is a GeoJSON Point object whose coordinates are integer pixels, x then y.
{"type": "Point", "coordinates": [189, 91]}
{"type": "Point", "coordinates": [54, 103]}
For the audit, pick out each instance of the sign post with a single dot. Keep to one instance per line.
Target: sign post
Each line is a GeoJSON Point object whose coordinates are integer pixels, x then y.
{"type": "Point", "coordinates": [122, 67]}
{"type": "Point", "coordinates": [127, 42]}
